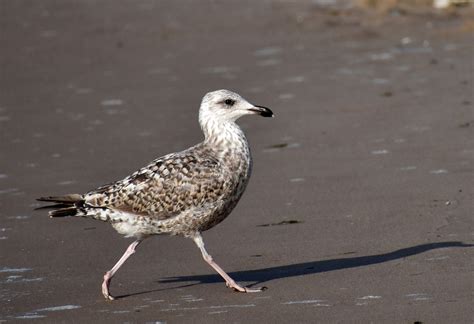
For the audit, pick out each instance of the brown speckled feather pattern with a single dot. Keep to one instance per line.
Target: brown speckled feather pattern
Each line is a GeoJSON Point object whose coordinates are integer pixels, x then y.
{"type": "Point", "coordinates": [179, 193]}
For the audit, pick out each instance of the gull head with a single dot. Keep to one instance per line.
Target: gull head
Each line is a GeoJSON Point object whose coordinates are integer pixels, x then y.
{"type": "Point", "coordinates": [227, 106]}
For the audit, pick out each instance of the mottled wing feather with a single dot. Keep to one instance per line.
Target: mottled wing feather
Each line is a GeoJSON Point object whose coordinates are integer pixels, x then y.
{"type": "Point", "coordinates": [166, 187]}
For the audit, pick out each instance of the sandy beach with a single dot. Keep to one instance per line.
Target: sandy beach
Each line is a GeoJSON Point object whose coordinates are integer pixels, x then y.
{"type": "Point", "coordinates": [360, 206]}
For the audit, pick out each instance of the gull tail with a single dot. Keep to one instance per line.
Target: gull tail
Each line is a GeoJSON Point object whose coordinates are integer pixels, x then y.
{"type": "Point", "coordinates": [68, 205]}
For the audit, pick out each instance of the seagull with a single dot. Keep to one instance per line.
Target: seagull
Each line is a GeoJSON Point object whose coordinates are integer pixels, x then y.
{"type": "Point", "coordinates": [183, 193]}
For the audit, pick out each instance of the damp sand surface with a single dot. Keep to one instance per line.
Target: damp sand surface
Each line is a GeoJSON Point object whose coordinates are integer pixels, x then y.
{"type": "Point", "coordinates": [360, 204]}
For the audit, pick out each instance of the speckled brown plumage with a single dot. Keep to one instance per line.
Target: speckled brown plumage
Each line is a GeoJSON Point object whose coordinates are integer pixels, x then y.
{"type": "Point", "coordinates": [181, 193]}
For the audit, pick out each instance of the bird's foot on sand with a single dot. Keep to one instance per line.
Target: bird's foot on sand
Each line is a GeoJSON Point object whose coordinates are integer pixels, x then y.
{"type": "Point", "coordinates": [105, 289]}
{"type": "Point", "coordinates": [241, 289]}
{"type": "Point", "coordinates": [106, 294]}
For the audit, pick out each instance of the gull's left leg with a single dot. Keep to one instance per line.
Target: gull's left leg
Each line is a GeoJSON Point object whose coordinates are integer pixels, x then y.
{"type": "Point", "coordinates": [109, 274]}
{"type": "Point", "coordinates": [229, 281]}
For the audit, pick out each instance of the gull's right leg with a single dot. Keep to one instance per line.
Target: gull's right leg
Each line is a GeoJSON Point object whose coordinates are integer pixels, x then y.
{"type": "Point", "coordinates": [228, 280]}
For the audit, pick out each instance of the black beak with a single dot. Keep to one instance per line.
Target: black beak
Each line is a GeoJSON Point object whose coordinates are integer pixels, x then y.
{"type": "Point", "coordinates": [262, 111]}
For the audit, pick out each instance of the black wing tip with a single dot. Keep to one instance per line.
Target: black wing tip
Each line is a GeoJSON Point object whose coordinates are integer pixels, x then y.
{"type": "Point", "coordinates": [63, 212]}
{"type": "Point", "coordinates": [55, 206]}
{"type": "Point", "coordinates": [44, 199]}
{"type": "Point", "coordinates": [68, 199]}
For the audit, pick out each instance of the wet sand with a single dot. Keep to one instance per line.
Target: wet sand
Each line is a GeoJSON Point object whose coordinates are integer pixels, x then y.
{"type": "Point", "coordinates": [360, 205]}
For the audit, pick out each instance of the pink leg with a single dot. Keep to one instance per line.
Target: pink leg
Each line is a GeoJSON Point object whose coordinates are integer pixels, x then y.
{"type": "Point", "coordinates": [109, 274]}
{"type": "Point", "coordinates": [229, 281]}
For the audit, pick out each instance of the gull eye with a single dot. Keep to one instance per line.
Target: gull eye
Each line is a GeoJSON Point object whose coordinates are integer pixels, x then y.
{"type": "Point", "coordinates": [229, 102]}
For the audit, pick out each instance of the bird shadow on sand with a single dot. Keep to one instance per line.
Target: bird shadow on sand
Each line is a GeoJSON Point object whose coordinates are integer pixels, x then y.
{"type": "Point", "coordinates": [259, 276]}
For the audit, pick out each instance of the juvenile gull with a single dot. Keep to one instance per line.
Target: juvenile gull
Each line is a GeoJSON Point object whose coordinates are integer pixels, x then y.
{"type": "Point", "coordinates": [183, 193]}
